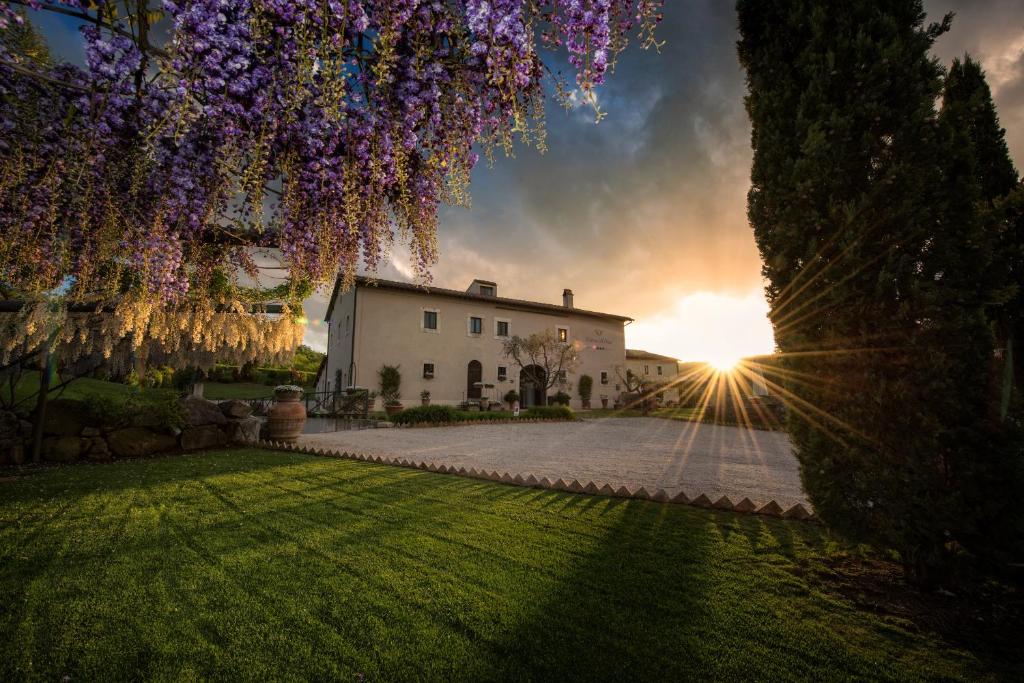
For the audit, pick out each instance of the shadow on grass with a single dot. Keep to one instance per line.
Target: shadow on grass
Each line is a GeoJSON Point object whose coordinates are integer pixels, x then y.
{"type": "Point", "coordinates": [272, 565]}
{"type": "Point", "coordinates": [671, 593]}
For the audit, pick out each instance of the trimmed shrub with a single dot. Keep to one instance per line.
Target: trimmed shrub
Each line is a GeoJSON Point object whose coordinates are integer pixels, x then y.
{"type": "Point", "coordinates": [585, 387]}
{"type": "Point", "coordinates": [158, 409]}
{"type": "Point", "coordinates": [431, 414]}
{"type": "Point", "coordinates": [274, 376]}
{"type": "Point", "coordinates": [390, 379]}
{"type": "Point", "coordinates": [560, 399]}
{"type": "Point", "coordinates": [185, 377]}
{"type": "Point", "coordinates": [449, 415]}
{"type": "Point", "coordinates": [549, 413]}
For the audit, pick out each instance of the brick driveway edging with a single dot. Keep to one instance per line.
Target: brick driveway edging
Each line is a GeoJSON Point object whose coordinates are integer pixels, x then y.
{"type": "Point", "coordinates": [772, 509]}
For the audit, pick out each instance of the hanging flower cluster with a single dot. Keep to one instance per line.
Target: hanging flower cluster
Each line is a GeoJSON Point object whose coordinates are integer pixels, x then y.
{"type": "Point", "coordinates": [197, 336]}
{"type": "Point", "coordinates": [316, 127]}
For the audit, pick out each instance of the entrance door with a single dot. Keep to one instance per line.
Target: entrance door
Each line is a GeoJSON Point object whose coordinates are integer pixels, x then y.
{"type": "Point", "coordinates": [474, 375]}
{"type": "Point", "coordinates": [531, 386]}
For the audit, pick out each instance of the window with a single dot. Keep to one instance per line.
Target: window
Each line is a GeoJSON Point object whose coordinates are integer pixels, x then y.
{"type": "Point", "coordinates": [501, 328]}
{"type": "Point", "coordinates": [561, 376]}
{"type": "Point", "coordinates": [659, 369]}
{"type": "Point", "coordinates": [563, 334]}
{"type": "Point", "coordinates": [502, 373]}
{"type": "Point", "coordinates": [647, 369]}
{"type": "Point", "coordinates": [604, 378]}
{"type": "Point", "coordinates": [430, 320]}
{"type": "Point", "coordinates": [428, 371]}
{"type": "Point", "coordinates": [346, 323]}
{"type": "Point", "coordinates": [476, 325]}
{"type": "Point", "coordinates": [486, 291]}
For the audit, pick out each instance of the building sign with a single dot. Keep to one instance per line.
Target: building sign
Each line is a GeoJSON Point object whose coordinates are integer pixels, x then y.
{"type": "Point", "coordinates": [597, 339]}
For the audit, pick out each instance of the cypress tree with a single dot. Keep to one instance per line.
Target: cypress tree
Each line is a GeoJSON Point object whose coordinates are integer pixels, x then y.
{"type": "Point", "coordinates": [969, 113]}
{"type": "Point", "coordinates": [864, 209]}
{"type": "Point", "coordinates": [967, 107]}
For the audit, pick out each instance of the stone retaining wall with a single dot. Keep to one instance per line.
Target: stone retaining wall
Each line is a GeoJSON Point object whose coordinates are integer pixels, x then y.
{"type": "Point", "coordinates": [71, 433]}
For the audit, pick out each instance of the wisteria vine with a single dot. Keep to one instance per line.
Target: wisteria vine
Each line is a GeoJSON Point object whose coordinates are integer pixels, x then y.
{"type": "Point", "coordinates": [316, 127]}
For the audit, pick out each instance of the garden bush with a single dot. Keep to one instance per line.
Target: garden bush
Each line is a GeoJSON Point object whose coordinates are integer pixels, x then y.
{"type": "Point", "coordinates": [560, 399]}
{"type": "Point", "coordinates": [549, 413]}
{"type": "Point", "coordinates": [431, 414]}
{"type": "Point", "coordinates": [225, 374]}
{"type": "Point", "coordinates": [156, 409]}
{"type": "Point", "coordinates": [585, 388]}
{"type": "Point", "coordinates": [449, 415]}
{"type": "Point", "coordinates": [184, 378]}
{"type": "Point", "coordinates": [390, 380]}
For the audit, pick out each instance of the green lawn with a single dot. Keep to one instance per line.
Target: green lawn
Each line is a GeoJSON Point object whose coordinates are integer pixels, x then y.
{"type": "Point", "coordinates": [260, 565]}
{"type": "Point", "coordinates": [217, 391]}
{"type": "Point", "coordinates": [85, 388]}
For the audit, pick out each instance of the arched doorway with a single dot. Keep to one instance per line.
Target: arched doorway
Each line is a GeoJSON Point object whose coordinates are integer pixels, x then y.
{"type": "Point", "coordinates": [474, 375]}
{"type": "Point", "coordinates": [532, 381]}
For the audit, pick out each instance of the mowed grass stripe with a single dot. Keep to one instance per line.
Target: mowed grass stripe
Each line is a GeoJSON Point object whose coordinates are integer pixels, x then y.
{"type": "Point", "coordinates": [256, 564]}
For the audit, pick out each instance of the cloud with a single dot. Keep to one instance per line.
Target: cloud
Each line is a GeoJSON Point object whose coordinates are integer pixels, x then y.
{"type": "Point", "coordinates": [993, 32]}
{"type": "Point", "coordinates": [644, 214]}
{"type": "Point", "coordinates": [647, 207]}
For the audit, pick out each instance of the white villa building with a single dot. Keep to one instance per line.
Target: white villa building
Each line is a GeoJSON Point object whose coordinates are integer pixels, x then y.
{"type": "Point", "coordinates": [449, 342]}
{"type": "Point", "coordinates": [652, 367]}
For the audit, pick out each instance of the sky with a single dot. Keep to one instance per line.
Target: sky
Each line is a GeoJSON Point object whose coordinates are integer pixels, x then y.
{"type": "Point", "coordinates": [644, 214]}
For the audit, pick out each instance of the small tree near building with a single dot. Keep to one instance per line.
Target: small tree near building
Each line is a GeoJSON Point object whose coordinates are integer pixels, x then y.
{"type": "Point", "coordinates": [390, 378]}
{"type": "Point", "coordinates": [543, 359]}
{"type": "Point", "coordinates": [586, 388]}
{"type": "Point", "coordinates": [640, 391]}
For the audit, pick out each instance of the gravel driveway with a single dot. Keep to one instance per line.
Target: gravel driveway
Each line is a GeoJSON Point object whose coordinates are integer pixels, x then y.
{"type": "Point", "coordinates": [650, 452]}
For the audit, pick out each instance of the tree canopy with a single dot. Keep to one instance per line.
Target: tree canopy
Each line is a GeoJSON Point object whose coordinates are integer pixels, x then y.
{"type": "Point", "coordinates": [881, 259]}
{"type": "Point", "coordinates": [543, 359]}
{"type": "Point", "coordinates": [199, 132]}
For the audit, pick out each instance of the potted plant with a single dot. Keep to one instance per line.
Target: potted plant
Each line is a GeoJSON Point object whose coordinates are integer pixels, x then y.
{"type": "Point", "coordinates": [586, 385]}
{"type": "Point", "coordinates": [511, 397]}
{"type": "Point", "coordinates": [425, 397]}
{"type": "Point", "coordinates": [287, 415]}
{"type": "Point", "coordinates": [390, 380]}
{"type": "Point", "coordinates": [604, 401]}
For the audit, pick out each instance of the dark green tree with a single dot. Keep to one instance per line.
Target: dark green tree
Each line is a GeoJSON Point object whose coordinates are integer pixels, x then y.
{"type": "Point", "coordinates": [863, 207]}
{"type": "Point", "coordinates": [1008, 218]}
{"type": "Point", "coordinates": [969, 115]}
{"type": "Point", "coordinates": [967, 107]}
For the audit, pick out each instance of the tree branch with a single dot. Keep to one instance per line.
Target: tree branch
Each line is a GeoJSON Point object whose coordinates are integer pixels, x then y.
{"type": "Point", "coordinates": [14, 66]}
{"type": "Point", "coordinates": [85, 16]}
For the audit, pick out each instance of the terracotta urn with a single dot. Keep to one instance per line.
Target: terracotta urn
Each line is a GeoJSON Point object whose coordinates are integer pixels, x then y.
{"type": "Point", "coordinates": [393, 409]}
{"type": "Point", "coordinates": [286, 416]}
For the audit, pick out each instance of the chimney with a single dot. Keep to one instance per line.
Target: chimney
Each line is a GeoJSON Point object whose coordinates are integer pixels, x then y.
{"type": "Point", "coordinates": [567, 298]}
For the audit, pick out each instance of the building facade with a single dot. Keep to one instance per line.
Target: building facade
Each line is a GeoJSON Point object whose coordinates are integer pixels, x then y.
{"type": "Point", "coordinates": [651, 367]}
{"type": "Point", "coordinates": [450, 342]}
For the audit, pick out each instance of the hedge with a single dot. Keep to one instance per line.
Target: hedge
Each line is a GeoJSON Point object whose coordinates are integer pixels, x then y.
{"type": "Point", "coordinates": [449, 415]}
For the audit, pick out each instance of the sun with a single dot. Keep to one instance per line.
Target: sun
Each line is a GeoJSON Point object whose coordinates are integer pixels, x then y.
{"type": "Point", "coordinates": [724, 363]}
